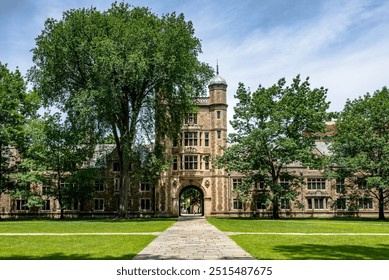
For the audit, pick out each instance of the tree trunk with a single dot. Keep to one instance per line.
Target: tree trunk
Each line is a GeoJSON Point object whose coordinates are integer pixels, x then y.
{"type": "Point", "coordinates": [127, 135]}
{"type": "Point", "coordinates": [381, 204]}
{"type": "Point", "coordinates": [124, 185]}
{"type": "Point", "coordinates": [60, 199]}
{"type": "Point", "coordinates": [276, 210]}
{"type": "Point", "coordinates": [154, 200]}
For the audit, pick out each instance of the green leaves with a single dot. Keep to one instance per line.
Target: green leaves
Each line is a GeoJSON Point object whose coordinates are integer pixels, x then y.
{"type": "Point", "coordinates": [109, 66]}
{"type": "Point", "coordinates": [362, 134]}
{"type": "Point", "coordinates": [124, 71]}
{"type": "Point", "coordinates": [361, 144]}
{"type": "Point", "coordinates": [118, 57]}
{"type": "Point", "coordinates": [274, 127]}
{"type": "Point", "coordinates": [17, 107]}
{"type": "Point", "coordinates": [275, 121]}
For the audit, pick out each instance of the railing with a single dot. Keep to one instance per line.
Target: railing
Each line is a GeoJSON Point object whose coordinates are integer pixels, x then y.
{"type": "Point", "coordinates": [202, 100]}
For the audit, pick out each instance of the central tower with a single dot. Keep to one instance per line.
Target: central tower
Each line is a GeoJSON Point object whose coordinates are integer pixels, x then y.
{"type": "Point", "coordinates": [202, 135]}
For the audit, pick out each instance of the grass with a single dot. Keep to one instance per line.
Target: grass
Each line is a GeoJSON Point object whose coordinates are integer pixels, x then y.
{"type": "Point", "coordinates": [272, 242]}
{"type": "Point", "coordinates": [301, 225]}
{"type": "Point", "coordinates": [78, 247]}
{"type": "Point", "coordinates": [82, 226]}
{"type": "Point", "coordinates": [72, 247]}
{"type": "Point", "coordinates": [281, 247]}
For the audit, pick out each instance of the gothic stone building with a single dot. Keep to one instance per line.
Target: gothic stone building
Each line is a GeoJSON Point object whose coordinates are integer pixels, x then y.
{"type": "Point", "coordinates": [201, 138]}
{"type": "Point", "coordinates": [211, 191]}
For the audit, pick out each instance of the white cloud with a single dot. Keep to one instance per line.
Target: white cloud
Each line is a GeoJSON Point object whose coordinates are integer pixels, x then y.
{"type": "Point", "coordinates": [343, 49]}
{"type": "Point", "coordinates": [341, 45]}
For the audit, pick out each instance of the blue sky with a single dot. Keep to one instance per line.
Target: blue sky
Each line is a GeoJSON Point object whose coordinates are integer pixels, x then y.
{"type": "Point", "coordinates": [342, 45]}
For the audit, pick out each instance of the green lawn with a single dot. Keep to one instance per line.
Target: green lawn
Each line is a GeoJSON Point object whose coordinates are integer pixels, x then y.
{"type": "Point", "coordinates": [72, 247]}
{"type": "Point", "coordinates": [80, 226]}
{"type": "Point", "coordinates": [77, 247]}
{"type": "Point", "coordinates": [272, 242]}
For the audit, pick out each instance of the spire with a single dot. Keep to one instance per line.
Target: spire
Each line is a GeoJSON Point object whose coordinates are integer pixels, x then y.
{"type": "Point", "coordinates": [217, 80]}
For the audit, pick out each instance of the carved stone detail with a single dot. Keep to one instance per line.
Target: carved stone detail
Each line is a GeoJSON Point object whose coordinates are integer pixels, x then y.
{"type": "Point", "coordinates": [190, 150]}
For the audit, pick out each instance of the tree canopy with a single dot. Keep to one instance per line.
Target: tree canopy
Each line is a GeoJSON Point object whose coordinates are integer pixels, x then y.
{"type": "Point", "coordinates": [361, 148]}
{"type": "Point", "coordinates": [58, 158]}
{"type": "Point", "coordinates": [124, 71]}
{"type": "Point", "coordinates": [17, 106]}
{"type": "Point", "coordinates": [273, 128]}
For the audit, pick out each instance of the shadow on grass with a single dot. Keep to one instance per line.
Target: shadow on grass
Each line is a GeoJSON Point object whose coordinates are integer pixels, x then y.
{"type": "Point", "coordinates": [62, 256]}
{"type": "Point", "coordinates": [96, 220]}
{"type": "Point", "coordinates": [338, 252]}
{"type": "Point", "coordinates": [347, 219]}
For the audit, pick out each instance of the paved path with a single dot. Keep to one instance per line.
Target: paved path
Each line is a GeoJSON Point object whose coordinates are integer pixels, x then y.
{"type": "Point", "coordinates": [193, 238]}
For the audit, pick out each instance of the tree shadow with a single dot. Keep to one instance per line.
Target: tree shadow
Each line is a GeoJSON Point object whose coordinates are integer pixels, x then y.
{"type": "Point", "coordinates": [185, 257]}
{"type": "Point", "coordinates": [91, 220]}
{"type": "Point", "coordinates": [338, 252]}
{"type": "Point", "coordinates": [62, 256]}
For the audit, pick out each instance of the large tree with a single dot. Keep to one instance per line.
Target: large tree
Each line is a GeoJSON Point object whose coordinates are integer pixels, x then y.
{"type": "Point", "coordinates": [274, 127]}
{"type": "Point", "coordinates": [361, 147]}
{"type": "Point", "coordinates": [17, 107]}
{"type": "Point", "coordinates": [58, 157]}
{"type": "Point", "coordinates": [125, 70]}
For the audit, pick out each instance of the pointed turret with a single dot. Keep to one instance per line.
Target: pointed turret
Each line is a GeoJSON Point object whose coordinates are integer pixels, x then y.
{"type": "Point", "coordinates": [217, 80]}
{"type": "Point", "coordinates": [218, 89]}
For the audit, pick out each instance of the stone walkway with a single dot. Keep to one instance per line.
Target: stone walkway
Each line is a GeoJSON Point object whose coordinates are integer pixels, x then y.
{"type": "Point", "coordinates": [193, 238]}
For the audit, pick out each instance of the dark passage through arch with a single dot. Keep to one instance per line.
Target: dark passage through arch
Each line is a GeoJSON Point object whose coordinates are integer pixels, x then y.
{"type": "Point", "coordinates": [191, 201]}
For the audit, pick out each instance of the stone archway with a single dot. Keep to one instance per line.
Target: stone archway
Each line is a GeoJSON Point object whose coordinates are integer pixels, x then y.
{"type": "Point", "coordinates": [191, 201]}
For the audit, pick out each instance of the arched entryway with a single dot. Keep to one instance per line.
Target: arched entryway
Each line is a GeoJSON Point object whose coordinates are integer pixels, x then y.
{"type": "Point", "coordinates": [191, 201]}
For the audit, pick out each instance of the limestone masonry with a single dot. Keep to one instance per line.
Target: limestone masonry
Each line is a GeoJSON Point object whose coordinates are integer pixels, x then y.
{"type": "Point", "coordinates": [200, 140]}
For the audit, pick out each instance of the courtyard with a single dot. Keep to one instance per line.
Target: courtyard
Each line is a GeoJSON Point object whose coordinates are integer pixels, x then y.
{"type": "Point", "coordinates": [297, 239]}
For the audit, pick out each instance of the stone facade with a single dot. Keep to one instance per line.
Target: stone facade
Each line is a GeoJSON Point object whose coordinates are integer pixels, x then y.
{"type": "Point", "coordinates": [200, 141]}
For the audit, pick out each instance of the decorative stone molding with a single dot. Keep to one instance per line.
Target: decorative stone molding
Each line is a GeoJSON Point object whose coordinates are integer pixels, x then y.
{"type": "Point", "coordinates": [317, 194]}
{"type": "Point", "coordinates": [190, 150]}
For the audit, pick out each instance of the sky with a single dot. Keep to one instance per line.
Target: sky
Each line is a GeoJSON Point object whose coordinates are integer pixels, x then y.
{"type": "Point", "coordinates": [341, 45]}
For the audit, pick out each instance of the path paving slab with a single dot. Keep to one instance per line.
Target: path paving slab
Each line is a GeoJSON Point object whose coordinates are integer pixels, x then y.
{"type": "Point", "coordinates": [193, 238]}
